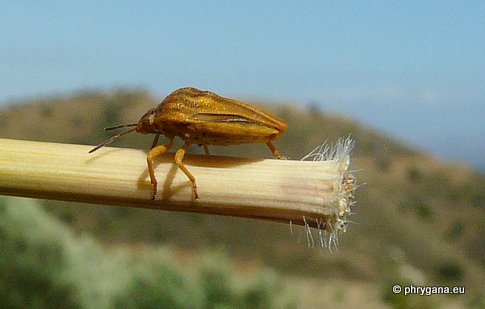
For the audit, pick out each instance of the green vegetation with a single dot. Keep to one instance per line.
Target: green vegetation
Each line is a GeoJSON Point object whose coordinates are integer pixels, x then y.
{"type": "Point", "coordinates": [415, 212]}
{"type": "Point", "coordinates": [33, 260]}
{"type": "Point", "coordinates": [43, 265]}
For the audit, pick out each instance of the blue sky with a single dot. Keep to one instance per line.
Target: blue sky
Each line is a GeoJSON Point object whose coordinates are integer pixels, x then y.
{"type": "Point", "coordinates": [414, 69]}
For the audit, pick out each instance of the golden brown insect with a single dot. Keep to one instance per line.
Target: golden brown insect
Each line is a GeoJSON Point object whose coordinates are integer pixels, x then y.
{"type": "Point", "coordinates": [203, 118]}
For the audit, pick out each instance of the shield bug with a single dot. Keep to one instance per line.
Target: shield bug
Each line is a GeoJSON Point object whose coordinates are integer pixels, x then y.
{"type": "Point", "coordinates": [202, 118]}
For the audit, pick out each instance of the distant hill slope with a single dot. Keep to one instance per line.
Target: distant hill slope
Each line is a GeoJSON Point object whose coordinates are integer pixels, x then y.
{"type": "Point", "coordinates": [80, 118]}
{"type": "Point", "coordinates": [415, 212]}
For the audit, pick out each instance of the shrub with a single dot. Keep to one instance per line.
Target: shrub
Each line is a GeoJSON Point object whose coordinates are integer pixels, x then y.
{"type": "Point", "coordinates": [42, 265]}
{"type": "Point", "coordinates": [159, 283]}
{"type": "Point", "coordinates": [33, 259]}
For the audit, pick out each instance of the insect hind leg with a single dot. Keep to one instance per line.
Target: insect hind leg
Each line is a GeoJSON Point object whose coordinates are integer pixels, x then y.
{"type": "Point", "coordinates": [179, 157]}
{"type": "Point", "coordinates": [275, 151]}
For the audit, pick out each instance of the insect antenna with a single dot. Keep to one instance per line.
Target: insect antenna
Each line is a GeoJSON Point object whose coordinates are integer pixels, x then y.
{"type": "Point", "coordinates": [121, 126]}
{"type": "Point", "coordinates": [111, 139]}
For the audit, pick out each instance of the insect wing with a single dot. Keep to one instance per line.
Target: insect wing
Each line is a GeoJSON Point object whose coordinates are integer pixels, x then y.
{"type": "Point", "coordinates": [204, 117]}
{"type": "Point", "coordinates": [227, 110]}
{"type": "Point", "coordinates": [212, 107]}
{"type": "Point", "coordinates": [213, 117]}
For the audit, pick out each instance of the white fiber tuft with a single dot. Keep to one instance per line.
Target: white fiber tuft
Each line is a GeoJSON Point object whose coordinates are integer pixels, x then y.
{"type": "Point", "coordinates": [330, 227]}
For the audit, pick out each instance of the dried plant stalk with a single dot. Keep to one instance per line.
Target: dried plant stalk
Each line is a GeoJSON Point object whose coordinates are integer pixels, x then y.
{"type": "Point", "coordinates": [312, 193]}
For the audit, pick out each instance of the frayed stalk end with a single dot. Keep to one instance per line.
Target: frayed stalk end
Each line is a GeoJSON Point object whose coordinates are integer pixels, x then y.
{"type": "Point", "coordinates": [336, 222]}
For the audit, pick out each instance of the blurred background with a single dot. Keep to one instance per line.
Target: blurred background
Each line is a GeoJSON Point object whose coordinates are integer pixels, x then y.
{"type": "Point", "coordinates": [404, 79]}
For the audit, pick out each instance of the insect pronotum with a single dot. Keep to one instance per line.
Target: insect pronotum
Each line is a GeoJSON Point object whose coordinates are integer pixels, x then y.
{"type": "Point", "coordinates": [203, 118]}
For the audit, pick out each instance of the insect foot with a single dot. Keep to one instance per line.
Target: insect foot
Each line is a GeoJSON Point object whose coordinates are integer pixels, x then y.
{"type": "Point", "coordinates": [194, 188]}
{"type": "Point", "coordinates": [154, 191]}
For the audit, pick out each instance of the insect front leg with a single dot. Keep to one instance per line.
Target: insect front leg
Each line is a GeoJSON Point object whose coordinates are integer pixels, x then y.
{"type": "Point", "coordinates": [275, 151]}
{"type": "Point", "coordinates": [179, 156]}
{"type": "Point", "coordinates": [156, 151]}
{"type": "Point", "coordinates": [155, 140]}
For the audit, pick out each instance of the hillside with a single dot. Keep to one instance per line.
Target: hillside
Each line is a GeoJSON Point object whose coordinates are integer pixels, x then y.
{"type": "Point", "coordinates": [415, 213]}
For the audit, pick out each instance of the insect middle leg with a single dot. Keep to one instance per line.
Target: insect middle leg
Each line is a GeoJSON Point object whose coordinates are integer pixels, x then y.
{"type": "Point", "coordinates": [179, 157]}
{"type": "Point", "coordinates": [206, 149]}
{"type": "Point", "coordinates": [156, 151]}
